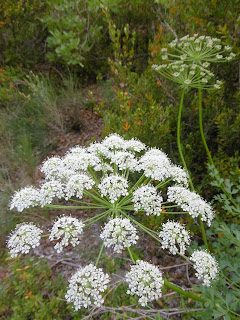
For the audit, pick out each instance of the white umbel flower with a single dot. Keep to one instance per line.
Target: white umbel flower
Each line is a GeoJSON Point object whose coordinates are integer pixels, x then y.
{"type": "Point", "coordinates": [78, 159]}
{"type": "Point", "coordinates": [134, 145]}
{"type": "Point", "coordinates": [86, 286]}
{"type": "Point", "coordinates": [124, 160]}
{"type": "Point", "coordinates": [179, 175]}
{"type": "Point", "coordinates": [50, 190]}
{"type": "Point", "coordinates": [25, 198]}
{"type": "Point", "coordinates": [191, 202]}
{"type": "Point", "coordinates": [119, 233]}
{"type": "Point", "coordinates": [145, 280]}
{"type": "Point", "coordinates": [174, 237]}
{"type": "Point", "coordinates": [114, 142]}
{"type": "Point", "coordinates": [205, 265]}
{"type": "Point", "coordinates": [113, 186]}
{"type": "Point", "coordinates": [155, 164]}
{"type": "Point", "coordinates": [66, 230]}
{"type": "Point", "coordinates": [146, 198]}
{"type": "Point", "coordinates": [53, 168]}
{"type": "Point", "coordinates": [77, 184]}
{"type": "Point", "coordinates": [98, 149]}
{"type": "Point", "coordinates": [23, 238]}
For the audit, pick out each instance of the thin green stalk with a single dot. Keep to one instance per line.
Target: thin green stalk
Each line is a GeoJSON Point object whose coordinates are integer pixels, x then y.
{"type": "Point", "coordinates": [130, 253]}
{"type": "Point", "coordinates": [101, 200]}
{"type": "Point", "coordinates": [141, 226]}
{"type": "Point", "coordinates": [53, 206]}
{"type": "Point", "coordinates": [100, 253]}
{"type": "Point", "coordinates": [45, 235]}
{"type": "Point", "coordinates": [81, 202]}
{"type": "Point", "coordinates": [127, 208]}
{"type": "Point", "coordinates": [99, 218]}
{"type": "Point", "coordinates": [140, 180]}
{"type": "Point", "coordinates": [160, 184]}
{"type": "Point", "coordinates": [179, 139]}
{"type": "Point", "coordinates": [92, 173]}
{"type": "Point", "coordinates": [100, 214]}
{"type": "Point", "coordinates": [201, 127]}
{"type": "Point", "coordinates": [203, 232]}
{"type": "Point", "coordinates": [173, 206]}
{"type": "Point", "coordinates": [125, 200]}
{"type": "Point", "coordinates": [177, 212]}
{"type": "Point", "coordinates": [206, 146]}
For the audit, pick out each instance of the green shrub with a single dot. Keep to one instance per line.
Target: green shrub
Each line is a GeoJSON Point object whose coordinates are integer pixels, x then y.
{"type": "Point", "coordinates": [22, 33]}
{"type": "Point", "coordinates": [27, 292]}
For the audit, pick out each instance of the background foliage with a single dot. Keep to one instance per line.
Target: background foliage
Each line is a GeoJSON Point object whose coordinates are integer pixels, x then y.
{"type": "Point", "coordinates": [51, 50]}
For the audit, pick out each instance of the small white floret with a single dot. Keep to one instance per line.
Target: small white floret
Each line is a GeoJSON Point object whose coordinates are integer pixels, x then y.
{"type": "Point", "coordinates": [66, 230]}
{"type": "Point", "coordinates": [206, 266]}
{"type": "Point", "coordinates": [145, 280]}
{"type": "Point", "coordinates": [174, 237]}
{"type": "Point", "coordinates": [119, 234]}
{"type": "Point", "coordinates": [23, 238]}
{"type": "Point", "coordinates": [86, 287]}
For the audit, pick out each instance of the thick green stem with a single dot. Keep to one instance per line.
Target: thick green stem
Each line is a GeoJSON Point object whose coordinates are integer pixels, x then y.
{"type": "Point", "coordinates": [183, 292]}
{"type": "Point", "coordinates": [191, 296]}
{"type": "Point", "coordinates": [179, 139]}
{"type": "Point", "coordinates": [100, 253]}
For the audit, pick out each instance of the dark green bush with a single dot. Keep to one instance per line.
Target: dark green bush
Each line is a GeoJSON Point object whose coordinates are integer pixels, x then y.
{"type": "Point", "coordinates": [22, 33]}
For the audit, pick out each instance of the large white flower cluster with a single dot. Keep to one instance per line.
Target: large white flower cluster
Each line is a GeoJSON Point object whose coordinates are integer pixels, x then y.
{"type": "Point", "coordinates": [70, 175]}
{"type": "Point", "coordinates": [119, 233]}
{"type": "Point", "coordinates": [23, 238]}
{"type": "Point", "coordinates": [113, 186]}
{"type": "Point", "coordinates": [191, 202]}
{"type": "Point", "coordinates": [86, 287]}
{"type": "Point", "coordinates": [174, 237]}
{"type": "Point", "coordinates": [66, 230]}
{"type": "Point", "coordinates": [206, 266]}
{"type": "Point", "coordinates": [77, 184]}
{"type": "Point", "coordinates": [145, 280]}
{"type": "Point", "coordinates": [114, 192]}
{"type": "Point", "coordinates": [146, 198]}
